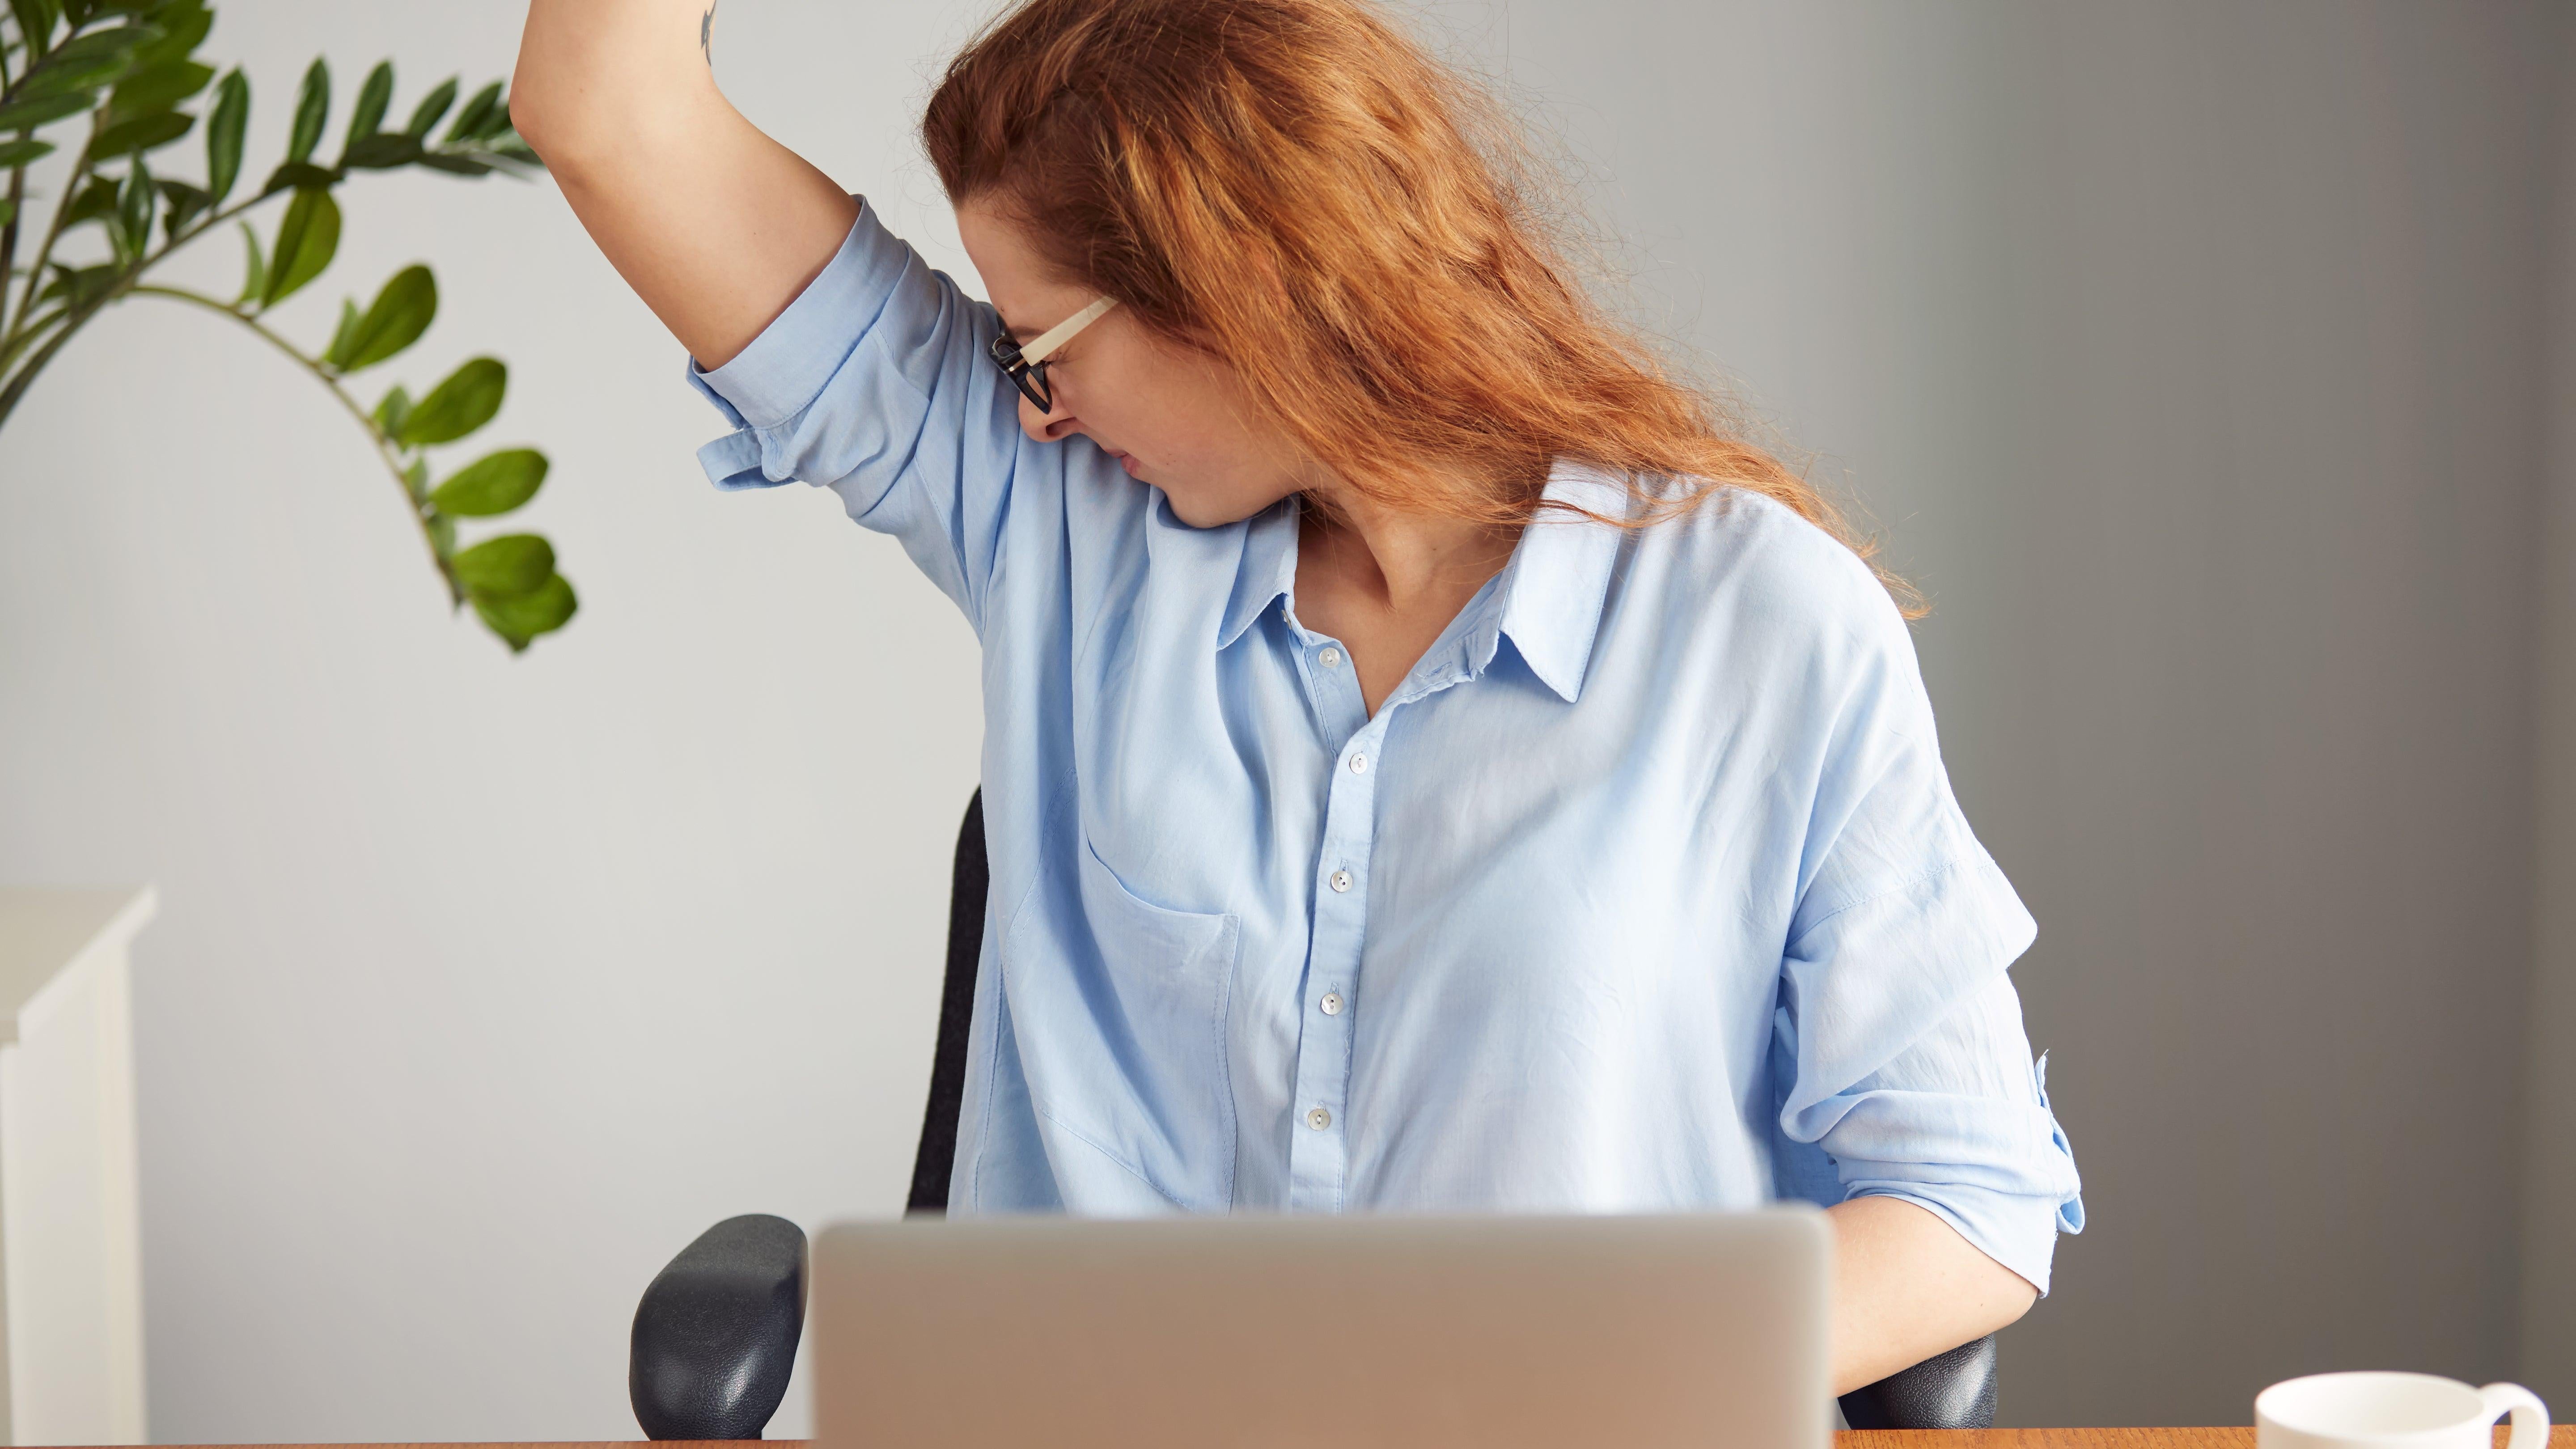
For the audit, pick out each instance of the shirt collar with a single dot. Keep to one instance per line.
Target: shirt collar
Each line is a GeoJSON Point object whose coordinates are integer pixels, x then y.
{"type": "Point", "coordinates": [1268, 571]}
{"type": "Point", "coordinates": [1558, 580]}
{"type": "Point", "coordinates": [1547, 600]}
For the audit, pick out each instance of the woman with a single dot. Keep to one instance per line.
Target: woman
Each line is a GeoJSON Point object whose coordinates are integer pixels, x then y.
{"type": "Point", "coordinates": [1428, 763]}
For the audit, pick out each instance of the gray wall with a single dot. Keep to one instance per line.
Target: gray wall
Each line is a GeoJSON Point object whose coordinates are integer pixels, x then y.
{"type": "Point", "coordinates": [2188, 354]}
{"type": "Point", "coordinates": [2549, 1149]}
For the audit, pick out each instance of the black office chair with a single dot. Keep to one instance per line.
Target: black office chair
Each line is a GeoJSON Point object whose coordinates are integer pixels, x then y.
{"type": "Point", "coordinates": [715, 1335]}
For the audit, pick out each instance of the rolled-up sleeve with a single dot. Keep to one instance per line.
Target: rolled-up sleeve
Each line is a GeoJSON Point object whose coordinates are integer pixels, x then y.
{"type": "Point", "coordinates": [1900, 1061]}
{"type": "Point", "coordinates": [873, 383]}
{"type": "Point", "coordinates": [1959, 1124]}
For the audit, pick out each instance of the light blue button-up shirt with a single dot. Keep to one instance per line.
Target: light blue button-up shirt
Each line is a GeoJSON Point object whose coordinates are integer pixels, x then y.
{"type": "Point", "coordinates": [1644, 891]}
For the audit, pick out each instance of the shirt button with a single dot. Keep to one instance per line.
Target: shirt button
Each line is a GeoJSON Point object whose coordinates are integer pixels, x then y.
{"type": "Point", "coordinates": [1341, 880]}
{"type": "Point", "coordinates": [1319, 1119]}
{"type": "Point", "coordinates": [1331, 656]}
{"type": "Point", "coordinates": [1332, 1005]}
{"type": "Point", "coordinates": [1359, 764]}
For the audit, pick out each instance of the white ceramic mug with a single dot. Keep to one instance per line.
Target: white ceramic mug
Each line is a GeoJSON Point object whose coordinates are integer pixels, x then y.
{"type": "Point", "coordinates": [2394, 1411]}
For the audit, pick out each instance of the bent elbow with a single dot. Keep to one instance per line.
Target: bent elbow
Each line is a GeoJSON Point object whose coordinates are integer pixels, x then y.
{"type": "Point", "coordinates": [2014, 1302]}
{"type": "Point", "coordinates": [531, 113]}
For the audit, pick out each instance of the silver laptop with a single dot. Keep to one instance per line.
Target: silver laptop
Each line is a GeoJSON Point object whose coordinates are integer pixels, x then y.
{"type": "Point", "coordinates": [1497, 1332]}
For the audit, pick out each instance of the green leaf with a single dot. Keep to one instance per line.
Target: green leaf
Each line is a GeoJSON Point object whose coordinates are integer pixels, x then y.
{"type": "Point", "coordinates": [520, 620]}
{"type": "Point", "coordinates": [143, 133]}
{"type": "Point", "coordinates": [78, 285]}
{"type": "Point", "coordinates": [35, 21]}
{"type": "Point", "coordinates": [416, 483]}
{"type": "Point", "coordinates": [224, 134]}
{"type": "Point", "coordinates": [381, 150]}
{"type": "Point", "coordinates": [116, 41]}
{"type": "Point", "coordinates": [96, 200]}
{"type": "Point", "coordinates": [459, 165]}
{"type": "Point", "coordinates": [182, 202]}
{"type": "Point", "coordinates": [394, 321]}
{"type": "Point", "coordinates": [466, 400]}
{"type": "Point", "coordinates": [19, 153]}
{"type": "Point", "coordinates": [312, 111]}
{"type": "Point", "coordinates": [499, 568]}
{"type": "Point", "coordinates": [255, 269]}
{"type": "Point", "coordinates": [84, 62]}
{"type": "Point", "coordinates": [157, 88]}
{"type": "Point", "coordinates": [306, 241]}
{"type": "Point", "coordinates": [27, 115]}
{"type": "Point", "coordinates": [373, 97]}
{"type": "Point", "coordinates": [431, 107]}
{"type": "Point", "coordinates": [389, 415]}
{"type": "Point", "coordinates": [135, 202]}
{"type": "Point", "coordinates": [300, 174]}
{"type": "Point", "coordinates": [183, 25]}
{"type": "Point", "coordinates": [340, 334]}
{"type": "Point", "coordinates": [442, 529]}
{"type": "Point", "coordinates": [492, 484]}
{"type": "Point", "coordinates": [485, 109]}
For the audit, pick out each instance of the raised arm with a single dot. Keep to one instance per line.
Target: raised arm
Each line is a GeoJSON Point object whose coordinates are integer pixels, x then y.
{"type": "Point", "coordinates": [716, 226]}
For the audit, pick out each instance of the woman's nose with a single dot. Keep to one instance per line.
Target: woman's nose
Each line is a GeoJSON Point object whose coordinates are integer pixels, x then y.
{"type": "Point", "coordinates": [1044, 427]}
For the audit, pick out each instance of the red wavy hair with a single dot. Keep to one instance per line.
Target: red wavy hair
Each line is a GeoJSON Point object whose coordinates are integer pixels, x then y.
{"type": "Point", "coordinates": [1296, 186]}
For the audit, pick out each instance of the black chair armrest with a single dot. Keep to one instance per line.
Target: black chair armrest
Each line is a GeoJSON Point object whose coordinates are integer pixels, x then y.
{"type": "Point", "coordinates": [1955, 1390]}
{"type": "Point", "coordinates": [716, 1331]}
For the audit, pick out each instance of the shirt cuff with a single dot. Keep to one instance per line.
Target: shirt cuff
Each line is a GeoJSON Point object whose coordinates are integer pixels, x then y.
{"type": "Point", "coordinates": [2009, 1183]}
{"type": "Point", "coordinates": [784, 369]}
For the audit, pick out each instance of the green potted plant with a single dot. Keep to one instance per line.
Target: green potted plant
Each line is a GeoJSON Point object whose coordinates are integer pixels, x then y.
{"type": "Point", "coordinates": [128, 68]}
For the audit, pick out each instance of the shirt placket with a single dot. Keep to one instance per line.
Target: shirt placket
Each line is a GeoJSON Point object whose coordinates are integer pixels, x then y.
{"type": "Point", "coordinates": [1319, 1144]}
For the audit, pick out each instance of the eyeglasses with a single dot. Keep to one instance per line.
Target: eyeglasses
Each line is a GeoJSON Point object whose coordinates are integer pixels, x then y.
{"type": "Point", "coordinates": [1026, 365]}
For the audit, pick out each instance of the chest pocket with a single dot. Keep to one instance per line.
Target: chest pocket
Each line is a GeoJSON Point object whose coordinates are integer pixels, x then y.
{"type": "Point", "coordinates": [1119, 1007]}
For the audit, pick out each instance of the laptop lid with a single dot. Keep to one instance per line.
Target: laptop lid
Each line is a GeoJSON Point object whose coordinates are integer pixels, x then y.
{"type": "Point", "coordinates": [1266, 1332]}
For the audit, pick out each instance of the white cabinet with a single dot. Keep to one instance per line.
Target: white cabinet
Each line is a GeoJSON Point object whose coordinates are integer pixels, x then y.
{"type": "Point", "coordinates": [71, 1255]}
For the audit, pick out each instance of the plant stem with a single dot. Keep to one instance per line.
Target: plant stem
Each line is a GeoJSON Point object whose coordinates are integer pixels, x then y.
{"type": "Point", "coordinates": [53, 230]}
{"type": "Point", "coordinates": [17, 180]}
{"type": "Point", "coordinates": [9, 351]}
{"type": "Point", "coordinates": [331, 381]}
{"type": "Point", "coordinates": [20, 333]}
{"type": "Point", "coordinates": [9, 234]}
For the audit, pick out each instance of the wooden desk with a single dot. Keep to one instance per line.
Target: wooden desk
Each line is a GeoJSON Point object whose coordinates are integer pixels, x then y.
{"type": "Point", "coordinates": [2561, 1437]}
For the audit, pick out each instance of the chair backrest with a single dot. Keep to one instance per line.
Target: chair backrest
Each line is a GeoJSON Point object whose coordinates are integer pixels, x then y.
{"type": "Point", "coordinates": [1954, 1390]}
{"type": "Point", "coordinates": [968, 878]}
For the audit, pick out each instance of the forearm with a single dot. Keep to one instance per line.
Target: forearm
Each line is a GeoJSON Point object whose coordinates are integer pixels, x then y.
{"type": "Point", "coordinates": [716, 226]}
{"type": "Point", "coordinates": [1908, 1286]}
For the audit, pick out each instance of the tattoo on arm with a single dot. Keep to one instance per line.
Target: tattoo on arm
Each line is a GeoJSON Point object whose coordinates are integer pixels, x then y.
{"type": "Point", "coordinates": [706, 33]}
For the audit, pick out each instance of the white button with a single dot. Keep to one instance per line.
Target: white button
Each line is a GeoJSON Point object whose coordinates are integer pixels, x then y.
{"type": "Point", "coordinates": [1331, 656]}
{"type": "Point", "coordinates": [1332, 1003]}
{"type": "Point", "coordinates": [1319, 1119]}
{"type": "Point", "coordinates": [1359, 764]}
{"type": "Point", "coordinates": [1341, 880]}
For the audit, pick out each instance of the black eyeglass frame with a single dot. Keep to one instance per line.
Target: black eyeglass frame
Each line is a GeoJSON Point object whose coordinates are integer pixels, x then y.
{"type": "Point", "coordinates": [1029, 377]}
